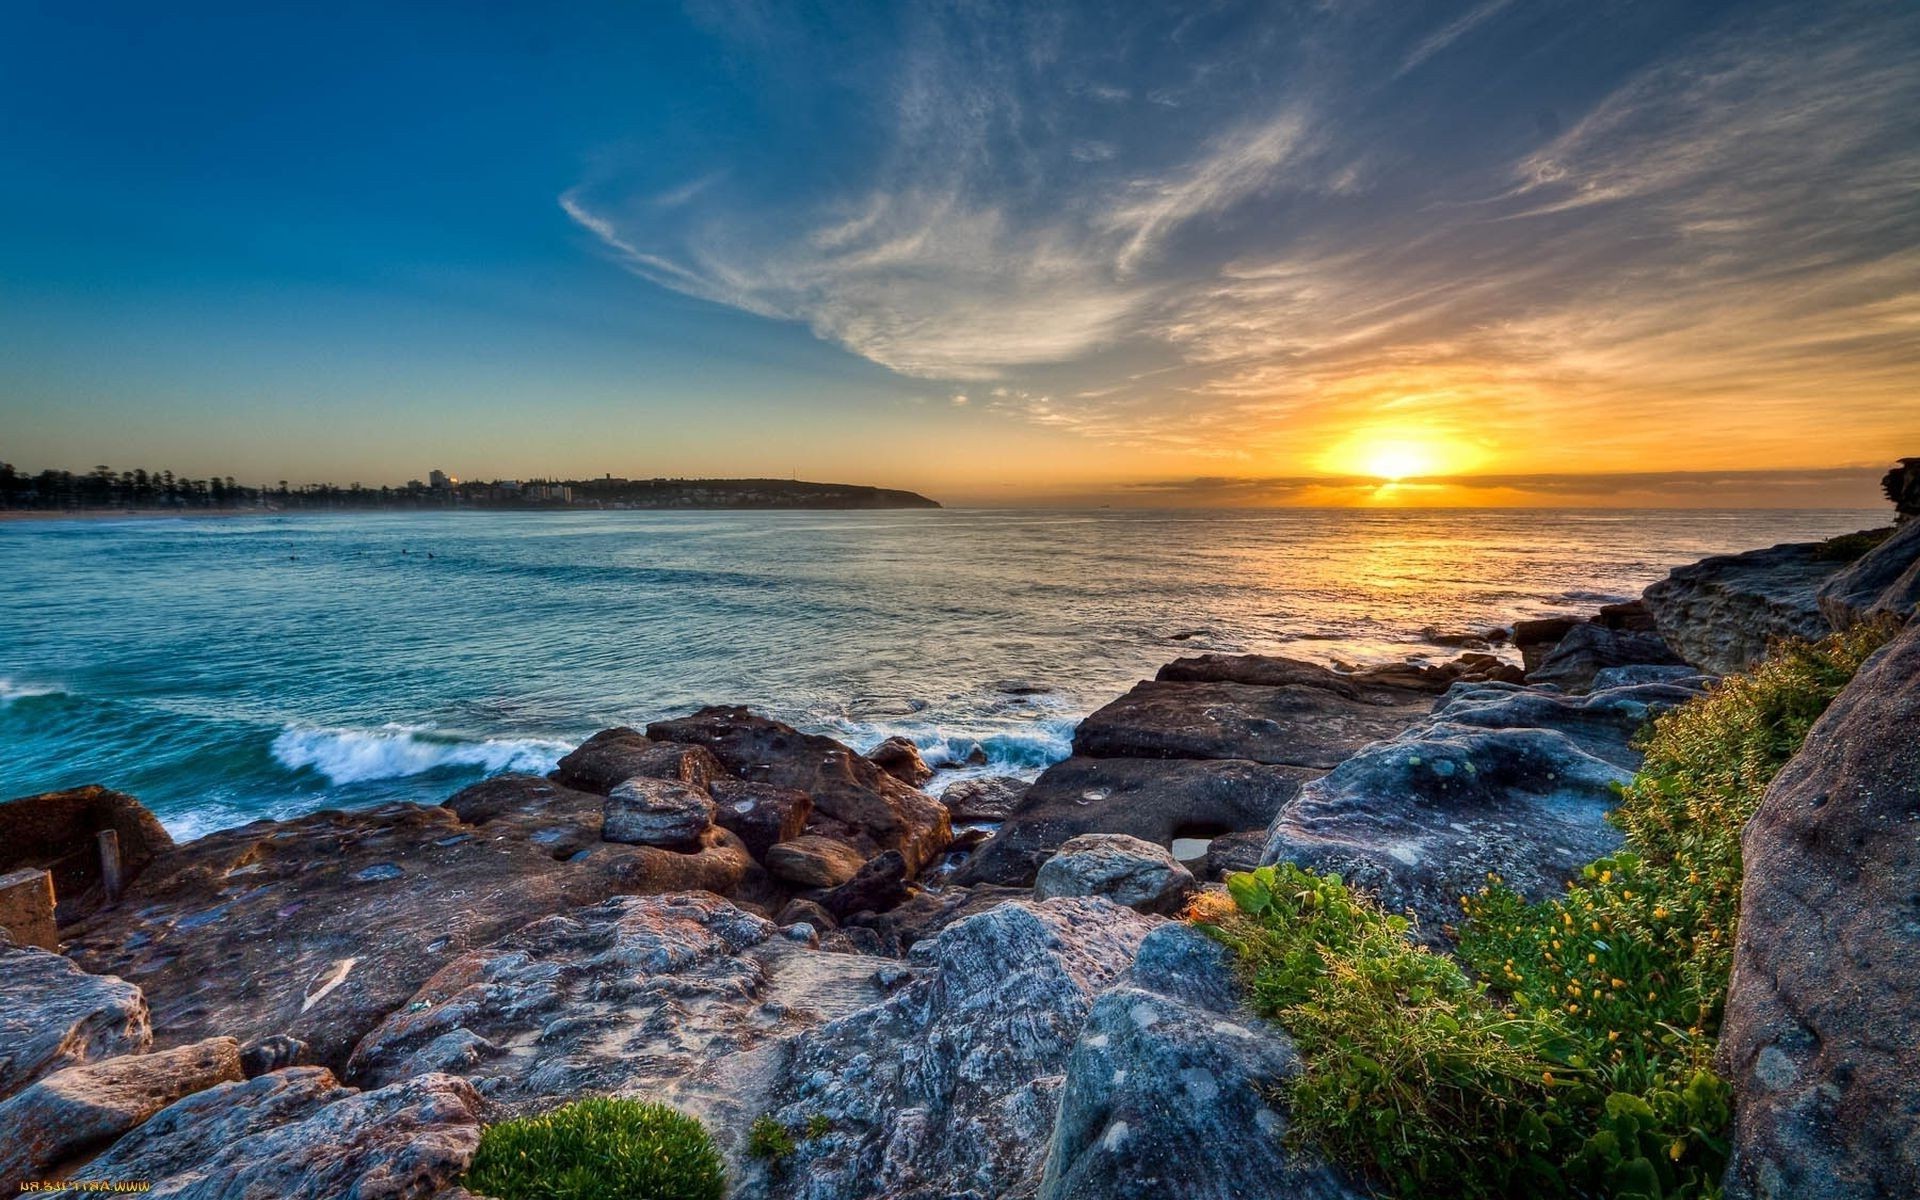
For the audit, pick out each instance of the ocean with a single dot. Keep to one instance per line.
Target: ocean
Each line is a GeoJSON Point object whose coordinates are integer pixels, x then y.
{"type": "Point", "coordinates": [228, 669]}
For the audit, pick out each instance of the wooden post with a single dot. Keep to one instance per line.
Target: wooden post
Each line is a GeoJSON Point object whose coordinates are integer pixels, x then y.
{"type": "Point", "coordinates": [111, 880]}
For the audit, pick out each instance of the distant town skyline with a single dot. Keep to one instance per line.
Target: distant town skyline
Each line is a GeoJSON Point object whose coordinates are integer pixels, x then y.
{"type": "Point", "coordinates": [1367, 253]}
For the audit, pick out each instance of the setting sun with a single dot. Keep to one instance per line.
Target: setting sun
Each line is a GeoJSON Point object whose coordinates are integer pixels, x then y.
{"type": "Point", "coordinates": [1398, 460]}
{"type": "Point", "coordinates": [1398, 454]}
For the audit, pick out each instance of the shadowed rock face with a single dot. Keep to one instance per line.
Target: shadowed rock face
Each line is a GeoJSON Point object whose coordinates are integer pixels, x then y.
{"type": "Point", "coordinates": [1884, 582]}
{"type": "Point", "coordinates": [320, 926]}
{"type": "Point", "coordinates": [1155, 800]}
{"type": "Point", "coordinates": [1574, 662]}
{"type": "Point", "coordinates": [53, 1015]}
{"type": "Point", "coordinates": [1499, 779]}
{"type": "Point", "coordinates": [1822, 1032]}
{"type": "Point", "coordinates": [58, 831]}
{"type": "Point", "coordinates": [1163, 1092]}
{"type": "Point", "coordinates": [298, 1133]}
{"type": "Point", "coordinates": [949, 1087]}
{"type": "Point", "coordinates": [1721, 613]}
{"type": "Point", "coordinates": [878, 812]}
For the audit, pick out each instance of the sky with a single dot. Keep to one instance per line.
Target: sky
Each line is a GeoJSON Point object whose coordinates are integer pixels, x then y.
{"type": "Point", "coordinates": [1347, 251]}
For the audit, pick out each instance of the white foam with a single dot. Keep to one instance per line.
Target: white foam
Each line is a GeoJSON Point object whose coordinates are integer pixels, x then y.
{"type": "Point", "coordinates": [396, 751]}
{"type": "Point", "coordinates": [11, 691]}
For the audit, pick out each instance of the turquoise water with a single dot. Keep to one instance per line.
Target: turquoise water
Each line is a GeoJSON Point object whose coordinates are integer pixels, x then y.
{"type": "Point", "coordinates": [226, 669]}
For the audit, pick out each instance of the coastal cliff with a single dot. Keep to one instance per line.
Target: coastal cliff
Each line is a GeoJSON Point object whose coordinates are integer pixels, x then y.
{"type": "Point", "coordinates": [865, 989]}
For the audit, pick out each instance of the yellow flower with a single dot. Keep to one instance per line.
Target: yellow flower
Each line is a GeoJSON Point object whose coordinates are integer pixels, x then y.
{"type": "Point", "coordinates": [1659, 912]}
{"type": "Point", "coordinates": [1613, 1035]}
{"type": "Point", "coordinates": [1676, 1150]}
{"type": "Point", "coordinates": [1546, 1077]}
{"type": "Point", "coordinates": [1593, 958]}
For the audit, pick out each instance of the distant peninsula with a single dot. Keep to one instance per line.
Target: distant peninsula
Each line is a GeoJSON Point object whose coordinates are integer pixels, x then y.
{"type": "Point", "coordinates": [105, 490]}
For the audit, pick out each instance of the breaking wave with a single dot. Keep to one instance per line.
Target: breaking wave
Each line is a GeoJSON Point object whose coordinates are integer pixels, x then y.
{"type": "Point", "coordinates": [395, 751]}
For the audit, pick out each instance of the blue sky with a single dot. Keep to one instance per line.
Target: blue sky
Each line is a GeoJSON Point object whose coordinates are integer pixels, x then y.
{"type": "Point", "coordinates": [991, 250]}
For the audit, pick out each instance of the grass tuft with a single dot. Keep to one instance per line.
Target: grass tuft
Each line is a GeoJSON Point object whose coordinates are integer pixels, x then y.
{"type": "Point", "coordinates": [599, 1149]}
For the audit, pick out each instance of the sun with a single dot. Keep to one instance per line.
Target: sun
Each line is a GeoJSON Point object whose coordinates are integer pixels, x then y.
{"type": "Point", "coordinates": [1397, 460]}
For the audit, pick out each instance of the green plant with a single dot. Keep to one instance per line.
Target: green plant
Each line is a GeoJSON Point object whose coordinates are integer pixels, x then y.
{"type": "Point", "coordinates": [769, 1139]}
{"type": "Point", "coordinates": [1572, 1055]}
{"type": "Point", "coordinates": [599, 1149]}
{"type": "Point", "coordinates": [818, 1126]}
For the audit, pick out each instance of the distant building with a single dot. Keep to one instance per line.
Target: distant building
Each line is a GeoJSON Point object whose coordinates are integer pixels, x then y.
{"type": "Point", "coordinates": [439, 480]}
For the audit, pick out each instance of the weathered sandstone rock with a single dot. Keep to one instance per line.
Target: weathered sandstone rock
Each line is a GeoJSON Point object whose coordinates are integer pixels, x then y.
{"type": "Point", "coordinates": [987, 799]}
{"type": "Point", "coordinates": [1590, 648]}
{"type": "Point", "coordinates": [1126, 870]}
{"type": "Point", "coordinates": [759, 813]}
{"type": "Point", "coordinates": [657, 812]}
{"type": "Point", "coordinates": [900, 758]}
{"type": "Point", "coordinates": [59, 831]}
{"type": "Point", "coordinates": [298, 1133]}
{"type": "Point", "coordinates": [1501, 779]}
{"type": "Point", "coordinates": [611, 757]}
{"type": "Point", "coordinates": [1163, 1092]}
{"type": "Point", "coordinates": [878, 811]}
{"type": "Point", "coordinates": [1155, 800]}
{"type": "Point", "coordinates": [53, 1016]}
{"type": "Point", "coordinates": [1883, 582]}
{"type": "Point", "coordinates": [318, 927]}
{"type": "Point", "coordinates": [880, 884]}
{"type": "Point", "coordinates": [1822, 1032]}
{"type": "Point", "coordinates": [813, 861]}
{"type": "Point", "coordinates": [72, 1113]}
{"type": "Point", "coordinates": [1721, 613]}
{"type": "Point", "coordinates": [949, 1087]}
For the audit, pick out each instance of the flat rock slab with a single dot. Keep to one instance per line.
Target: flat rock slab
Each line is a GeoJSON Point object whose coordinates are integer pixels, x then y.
{"type": "Point", "coordinates": [1154, 800]}
{"type": "Point", "coordinates": [1165, 1092]}
{"type": "Point", "coordinates": [1821, 1039]}
{"type": "Point", "coordinates": [1299, 725]}
{"type": "Point", "coordinates": [53, 1015]}
{"type": "Point", "coordinates": [319, 927]}
{"type": "Point", "coordinates": [1500, 779]}
{"type": "Point", "coordinates": [297, 1132]}
{"type": "Point", "coordinates": [72, 1113]}
{"type": "Point", "coordinates": [950, 1085]}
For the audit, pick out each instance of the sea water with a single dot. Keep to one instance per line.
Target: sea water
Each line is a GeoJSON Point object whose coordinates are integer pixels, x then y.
{"type": "Point", "coordinates": [228, 669]}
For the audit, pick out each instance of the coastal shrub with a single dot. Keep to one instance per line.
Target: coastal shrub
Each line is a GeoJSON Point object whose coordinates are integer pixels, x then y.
{"type": "Point", "coordinates": [1595, 1012]}
{"type": "Point", "coordinates": [599, 1149]}
{"type": "Point", "coordinates": [769, 1139]}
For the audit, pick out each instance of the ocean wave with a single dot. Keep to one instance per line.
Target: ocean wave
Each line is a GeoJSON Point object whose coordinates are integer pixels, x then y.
{"type": "Point", "coordinates": [960, 752]}
{"type": "Point", "coordinates": [11, 691]}
{"type": "Point", "coordinates": [395, 751]}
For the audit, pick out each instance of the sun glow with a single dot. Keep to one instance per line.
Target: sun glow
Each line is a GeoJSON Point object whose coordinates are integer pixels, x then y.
{"type": "Point", "coordinates": [1396, 454]}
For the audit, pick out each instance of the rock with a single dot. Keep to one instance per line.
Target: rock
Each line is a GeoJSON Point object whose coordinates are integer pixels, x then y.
{"type": "Point", "coordinates": [1902, 487]}
{"type": "Point", "coordinates": [27, 909]}
{"type": "Point", "coordinates": [611, 757]}
{"type": "Point", "coordinates": [991, 798]}
{"type": "Point", "coordinates": [57, 1016]}
{"type": "Point", "coordinates": [274, 1053]}
{"type": "Point", "coordinates": [59, 831]}
{"type": "Point", "coordinates": [949, 1086]}
{"type": "Point", "coordinates": [72, 1113]}
{"type": "Point", "coordinates": [1293, 724]}
{"type": "Point", "coordinates": [900, 758]}
{"type": "Point", "coordinates": [1509, 780]}
{"type": "Point", "coordinates": [1589, 649]}
{"type": "Point", "coordinates": [1153, 800]}
{"type": "Point", "coordinates": [799, 911]}
{"type": "Point", "coordinates": [924, 914]}
{"type": "Point", "coordinates": [1721, 613]}
{"type": "Point", "coordinates": [880, 884]}
{"type": "Point", "coordinates": [1632, 616]}
{"type": "Point", "coordinates": [318, 927]}
{"type": "Point", "coordinates": [879, 811]}
{"type": "Point", "coordinates": [760, 814]}
{"type": "Point", "coordinates": [299, 1133]}
{"type": "Point", "coordinates": [1608, 678]}
{"type": "Point", "coordinates": [1231, 853]}
{"type": "Point", "coordinates": [1821, 1038]}
{"type": "Point", "coordinates": [1164, 1092]}
{"type": "Point", "coordinates": [813, 861]}
{"type": "Point", "coordinates": [1536, 638]}
{"type": "Point", "coordinates": [657, 812]}
{"type": "Point", "coordinates": [683, 998]}
{"type": "Point", "coordinates": [1126, 870]}
{"type": "Point", "coordinates": [1885, 582]}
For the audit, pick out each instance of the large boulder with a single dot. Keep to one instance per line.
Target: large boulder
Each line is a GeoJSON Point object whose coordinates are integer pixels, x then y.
{"type": "Point", "coordinates": [874, 810]}
{"type": "Point", "coordinates": [1722, 613]}
{"type": "Point", "coordinates": [1156, 800]}
{"type": "Point", "coordinates": [657, 812]}
{"type": "Point", "coordinates": [813, 861]}
{"type": "Point", "coordinates": [1126, 870]}
{"type": "Point", "coordinates": [318, 927]}
{"type": "Point", "coordinates": [1166, 1090]}
{"type": "Point", "coordinates": [59, 831]}
{"type": "Point", "coordinates": [73, 1113]}
{"type": "Point", "coordinates": [53, 1015]}
{"type": "Point", "coordinates": [1513, 781]}
{"type": "Point", "coordinates": [1885, 582]}
{"type": "Point", "coordinates": [673, 996]}
{"type": "Point", "coordinates": [611, 757]}
{"type": "Point", "coordinates": [988, 798]}
{"type": "Point", "coordinates": [760, 814]}
{"type": "Point", "coordinates": [297, 1132]}
{"type": "Point", "coordinates": [949, 1087]}
{"type": "Point", "coordinates": [1822, 1031]}
{"type": "Point", "coordinates": [900, 758]}
{"type": "Point", "coordinates": [1293, 724]}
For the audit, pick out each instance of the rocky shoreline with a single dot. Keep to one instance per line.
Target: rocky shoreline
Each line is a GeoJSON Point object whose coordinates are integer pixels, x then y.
{"type": "Point", "coordinates": [744, 920]}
